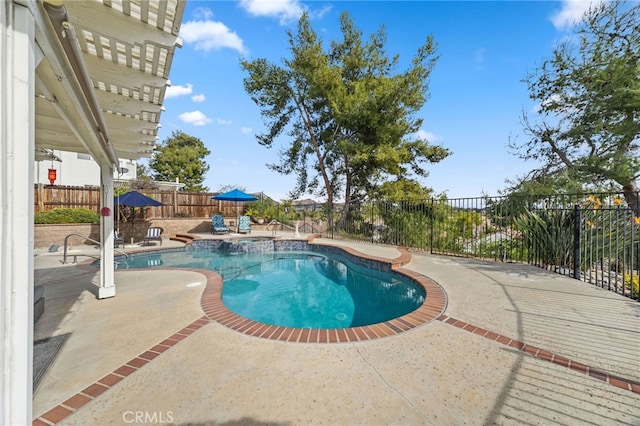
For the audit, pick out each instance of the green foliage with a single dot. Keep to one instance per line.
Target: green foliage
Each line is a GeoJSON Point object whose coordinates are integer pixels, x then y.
{"type": "Point", "coordinates": [403, 189]}
{"type": "Point", "coordinates": [56, 216]}
{"type": "Point", "coordinates": [550, 234]}
{"type": "Point", "coordinates": [266, 208]}
{"type": "Point", "coordinates": [506, 250]}
{"type": "Point", "coordinates": [453, 229]}
{"type": "Point", "coordinates": [407, 226]}
{"type": "Point", "coordinates": [252, 212]}
{"type": "Point", "coordinates": [181, 156]}
{"type": "Point", "coordinates": [230, 187]}
{"type": "Point", "coordinates": [632, 283]}
{"type": "Point", "coordinates": [348, 116]}
{"type": "Point", "coordinates": [540, 186]}
{"type": "Point", "coordinates": [142, 171]}
{"type": "Point", "coordinates": [608, 236]}
{"type": "Point", "coordinates": [588, 95]}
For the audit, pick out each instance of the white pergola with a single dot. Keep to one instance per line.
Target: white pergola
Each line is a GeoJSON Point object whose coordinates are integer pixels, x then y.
{"type": "Point", "coordinates": [86, 76]}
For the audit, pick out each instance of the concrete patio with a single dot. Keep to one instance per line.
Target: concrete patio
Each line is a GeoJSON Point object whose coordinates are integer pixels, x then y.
{"type": "Point", "coordinates": [515, 345]}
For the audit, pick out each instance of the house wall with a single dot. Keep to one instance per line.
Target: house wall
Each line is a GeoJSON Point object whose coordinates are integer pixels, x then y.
{"type": "Point", "coordinates": [78, 170]}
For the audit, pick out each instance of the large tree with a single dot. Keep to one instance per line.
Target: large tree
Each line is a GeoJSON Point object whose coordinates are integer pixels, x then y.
{"type": "Point", "coordinates": [588, 120]}
{"type": "Point", "coordinates": [181, 156]}
{"type": "Point", "coordinates": [349, 115]}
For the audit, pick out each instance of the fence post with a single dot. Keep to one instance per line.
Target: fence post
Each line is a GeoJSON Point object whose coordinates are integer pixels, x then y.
{"type": "Point", "coordinates": [431, 220]}
{"type": "Point", "coordinates": [637, 293]}
{"type": "Point", "coordinates": [576, 242]}
{"type": "Point", "coordinates": [372, 221]}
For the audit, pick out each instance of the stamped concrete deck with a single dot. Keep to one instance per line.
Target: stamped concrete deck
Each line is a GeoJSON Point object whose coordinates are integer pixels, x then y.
{"type": "Point", "coordinates": [514, 345]}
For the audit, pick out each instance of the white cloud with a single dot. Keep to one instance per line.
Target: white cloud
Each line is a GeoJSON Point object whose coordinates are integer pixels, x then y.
{"type": "Point", "coordinates": [196, 118]}
{"type": "Point", "coordinates": [203, 13]}
{"type": "Point", "coordinates": [285, 10]}
{"type": "Point", "coordinates": [246, 130]}
{"type": "Point", "coordinates": [198, 98]}
{"type": "Point", "coordinates": [480, 54]}
{"type": "Point", "coordinates": [208, 35]}
{"type": "Point", "coordinates": [572, 13]}
{"type": "Point", "coordinates": [426, 136]}
{"type": "Point", "coordinates": [173, 91]}
{"type": "Point", "coordinates": [223, 121]}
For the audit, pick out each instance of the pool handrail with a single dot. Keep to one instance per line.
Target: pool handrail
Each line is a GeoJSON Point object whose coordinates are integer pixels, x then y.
{"type": "Point", "coordinates": [283, 226]}
{"type": "Point", "coordinates": [66, 240]}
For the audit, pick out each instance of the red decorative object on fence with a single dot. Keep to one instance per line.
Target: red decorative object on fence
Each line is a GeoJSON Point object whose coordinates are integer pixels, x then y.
{"type": "Point", "coordinates": [52, 175]}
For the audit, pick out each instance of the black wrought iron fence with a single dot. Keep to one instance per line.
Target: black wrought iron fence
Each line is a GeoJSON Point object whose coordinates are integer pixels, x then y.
{"type": "Point", "coordinates": [609, 249]}
{"type": "Point", "coordinates": [590, 237]}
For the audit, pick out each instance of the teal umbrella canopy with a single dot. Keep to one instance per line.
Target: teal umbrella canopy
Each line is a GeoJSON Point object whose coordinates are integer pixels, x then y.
{"type": "Point", "coordinates": [235, 195]}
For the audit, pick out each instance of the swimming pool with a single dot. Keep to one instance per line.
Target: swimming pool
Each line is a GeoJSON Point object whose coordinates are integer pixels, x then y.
{"type": "Point", "coordinates": [297, 288]}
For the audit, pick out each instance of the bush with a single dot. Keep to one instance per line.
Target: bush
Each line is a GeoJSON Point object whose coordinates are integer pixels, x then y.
{"type": "Point", "coordinates": [56, 216]}
{"type": "Point", "coordinates": [635, 281]}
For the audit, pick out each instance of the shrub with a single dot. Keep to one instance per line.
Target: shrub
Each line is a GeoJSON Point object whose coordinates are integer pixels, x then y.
{"type": "Point", "coordinates": [635, 281]}
{"type": "Point", "coordinates": [550, 234]}
{"type": "Point", "coordinates": [56, 216]}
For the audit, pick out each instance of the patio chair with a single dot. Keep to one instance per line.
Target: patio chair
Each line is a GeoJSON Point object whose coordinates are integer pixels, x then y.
{"type": "Point", "coordinates": [244, 225]}
{"type": "Point", "coordinates": [153, 234]}
{"type": "Point", "coordinates": [117, 239]}
{"type": "Point", "coordinates": [217, 225]}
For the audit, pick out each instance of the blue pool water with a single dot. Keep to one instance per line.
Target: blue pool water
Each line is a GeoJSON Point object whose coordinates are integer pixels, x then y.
{"type": "Point", "coordinates": [298, 288]}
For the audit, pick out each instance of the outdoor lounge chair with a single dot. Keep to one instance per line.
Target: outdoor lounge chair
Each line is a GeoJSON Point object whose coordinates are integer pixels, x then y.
{"type": "Point", "coordinates": [117, 239]}
{"type": "Point", "coordinates": [153, 234]}
{"type": "Point", "coordinates": [217, 225]}
{"type": "Point", "coordinates": [244, 225]}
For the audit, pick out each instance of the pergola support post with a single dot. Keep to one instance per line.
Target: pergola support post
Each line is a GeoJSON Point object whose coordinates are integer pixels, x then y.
{"type": "Point", "coordinates": [17, 144]}
{"type": "Point", "coordinates": [107, 274]}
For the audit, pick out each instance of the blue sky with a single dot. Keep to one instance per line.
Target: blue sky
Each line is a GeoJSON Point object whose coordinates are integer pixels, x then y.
{"type": "Point", "coordinates": [476, 91]}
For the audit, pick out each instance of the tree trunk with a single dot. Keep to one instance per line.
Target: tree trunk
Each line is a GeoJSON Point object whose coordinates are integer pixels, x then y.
{"type": "Point", "coordinates": [630, 191]}
{"type": "Point", "coordinates": [342, 223]}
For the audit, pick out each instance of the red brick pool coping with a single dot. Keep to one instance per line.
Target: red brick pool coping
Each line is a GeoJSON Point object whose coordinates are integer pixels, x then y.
{"type": "Point", "coordinates": [211, 302]}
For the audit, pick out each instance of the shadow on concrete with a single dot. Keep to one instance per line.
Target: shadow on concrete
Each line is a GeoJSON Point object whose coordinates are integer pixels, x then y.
{"type": "Point", "coordinates": [64, 286]}
{"type": "Point", "coordinates": [579, 325]}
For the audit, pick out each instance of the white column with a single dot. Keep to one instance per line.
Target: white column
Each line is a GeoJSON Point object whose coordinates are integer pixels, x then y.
{"type": "Point", "coordinates": [17, 141]}
{"type": "Point", "coordinates": [107, 275]}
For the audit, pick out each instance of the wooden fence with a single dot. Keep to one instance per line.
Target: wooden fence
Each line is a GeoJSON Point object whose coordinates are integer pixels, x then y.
{"type": "Point", "coordinates": [176, 204]}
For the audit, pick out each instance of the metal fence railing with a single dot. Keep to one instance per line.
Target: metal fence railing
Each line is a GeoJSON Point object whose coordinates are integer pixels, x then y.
{"type": "Point", "coordinates": [594, 237]}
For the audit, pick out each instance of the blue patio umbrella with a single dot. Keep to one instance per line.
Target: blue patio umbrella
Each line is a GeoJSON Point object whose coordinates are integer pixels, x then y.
{"type": "Point", "coordinates": [236, 196]}
{"type": "Point", "coordinates": [134, 199]}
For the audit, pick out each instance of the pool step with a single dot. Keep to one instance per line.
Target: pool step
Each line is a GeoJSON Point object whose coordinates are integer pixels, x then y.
{"type": "Point", "coordinates": [183, 238]}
